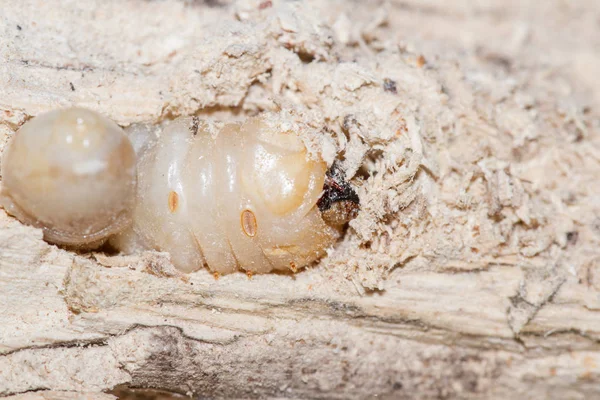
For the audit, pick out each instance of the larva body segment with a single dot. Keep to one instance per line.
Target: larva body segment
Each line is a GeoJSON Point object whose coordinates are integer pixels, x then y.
{"type": "Point", "coordinates": [160, 179]}
{"type": "Point", "coordinates": [71, 173]}
{"type": "Point", "coordinates": [245, 199]}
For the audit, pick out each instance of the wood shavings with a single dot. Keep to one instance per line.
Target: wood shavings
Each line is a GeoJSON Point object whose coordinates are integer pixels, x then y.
{"type": "Point", "coordinates": [474, 259]}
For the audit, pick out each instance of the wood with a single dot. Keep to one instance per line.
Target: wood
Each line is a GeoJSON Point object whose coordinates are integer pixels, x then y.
{"type": "Point", "coordinates": [470, 272]}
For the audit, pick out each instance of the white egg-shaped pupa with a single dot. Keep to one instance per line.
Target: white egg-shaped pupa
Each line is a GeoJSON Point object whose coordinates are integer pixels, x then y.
{"type": "Point", "coordinates": [245, 200]}
{"type": "Point", "coordinates": [72, 173]}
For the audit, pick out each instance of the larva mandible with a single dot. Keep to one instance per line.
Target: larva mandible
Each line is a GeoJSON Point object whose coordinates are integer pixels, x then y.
{"type": "Point", "coordinates": [249, 199]}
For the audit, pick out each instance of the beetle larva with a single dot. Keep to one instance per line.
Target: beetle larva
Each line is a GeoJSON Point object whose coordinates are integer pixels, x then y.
{"type": "Point", "coordinates": [246, 199]}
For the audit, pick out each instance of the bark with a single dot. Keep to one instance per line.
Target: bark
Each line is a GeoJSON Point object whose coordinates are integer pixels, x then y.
{"type": "Point", "coordinates": [471, 132]}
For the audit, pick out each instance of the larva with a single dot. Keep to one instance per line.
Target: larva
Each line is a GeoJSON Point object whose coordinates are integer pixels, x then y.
{"type": "Point", "coordinates": [251, 198]}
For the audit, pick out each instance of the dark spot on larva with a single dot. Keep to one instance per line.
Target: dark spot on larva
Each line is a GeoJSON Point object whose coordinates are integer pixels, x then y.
{"type": "Point", "coordinates": [19, 27]}
{"type": "Point", "coordinates": [194, 125]}
{"type": "Point", "coordinates": [72, 86]}
{"type": "Point", "coordinates": [173, 201]}
{"type": "Point", "coordinates": [390, 86]}
{"type": "Point", "coordinates": [248, 222]}
{"type": "Point", "coordinates": [293, 267]}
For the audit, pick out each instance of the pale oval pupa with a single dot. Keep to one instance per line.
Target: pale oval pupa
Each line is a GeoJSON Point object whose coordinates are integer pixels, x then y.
{"type": "Point", "coordinates": [72, 173]}
{"type": "Point", "coordinates": [249, 199]}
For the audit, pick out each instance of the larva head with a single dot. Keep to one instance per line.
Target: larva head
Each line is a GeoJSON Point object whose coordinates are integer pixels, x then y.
{"type": "Point", "coordinates": [284, 184]}
{"type": "Point", "coordinates": [339, 203]}
{"type": "Point", "coordinates": [72, 173]}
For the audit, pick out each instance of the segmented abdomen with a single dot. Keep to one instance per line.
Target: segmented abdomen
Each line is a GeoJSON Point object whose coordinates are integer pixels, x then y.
{"type": "Point", "coordinates": [245, 199]}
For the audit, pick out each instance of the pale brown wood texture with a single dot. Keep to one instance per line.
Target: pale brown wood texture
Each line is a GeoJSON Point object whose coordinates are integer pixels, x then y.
{"type": "Point", "coordinates": [470, 130]}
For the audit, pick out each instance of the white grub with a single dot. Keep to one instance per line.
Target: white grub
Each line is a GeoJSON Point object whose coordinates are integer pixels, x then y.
{"type": "Point", "coordinates": [245, 199]}
{"type": "Point", "coordinates": [72, 173]}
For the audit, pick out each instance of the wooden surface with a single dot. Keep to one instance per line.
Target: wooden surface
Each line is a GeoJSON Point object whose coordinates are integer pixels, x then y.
{"type": "Point", "coordinates": [472, 271]}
